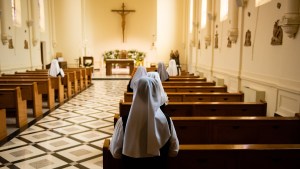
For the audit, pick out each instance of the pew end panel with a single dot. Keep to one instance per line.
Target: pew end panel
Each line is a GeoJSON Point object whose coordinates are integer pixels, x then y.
{"type": "Point", "coordinates": [29, 92]}
{"type": "Point", "coordinates": [15, 102]}
{"type": "Point", "coordinates": [3, 130]}
{"type": "Point", "coordinates": [109, 162]}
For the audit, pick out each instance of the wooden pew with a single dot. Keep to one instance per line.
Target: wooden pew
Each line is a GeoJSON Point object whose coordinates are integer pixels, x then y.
{"type": "Point", "coordinates": [69, 80]}
{"type": "Point", "coordinates": [224, 156]}
{"type": "Point", "coordinates": [79, 77]}
{"type": "Point", "coordinates": [236, 130]}
{"type": "Point", "coordinates": [188, 83]}
{"type": "Point", "coordinates": [89, 74]}
{"type": "Point", "coordinates": [84, 77]}
{"type": "Point", "coordinates": [237, 156]}
{"type": "Point", "coordinates": [3, 131]}
{"type": "Point", "coordinates": [207, 108]}
{"type": "Point", "coordinates": [12, 99]}
{"type": "Point", "coordinates": [71, 83]}
{"type": "Point", "coordinates": [186, 76]}
{"type": "Point", "coordinates": [29, 92]}
{"type": "Point", "coordinates": [177, 78]}
{"type": "Point", "coordinates": [195, 88]}
{"type": "Point", "coordinates": [56, 82]}
{"type": "Point", "coordinates": [196, 97]}
{"type": "Point", "coordinates": [44, 88]}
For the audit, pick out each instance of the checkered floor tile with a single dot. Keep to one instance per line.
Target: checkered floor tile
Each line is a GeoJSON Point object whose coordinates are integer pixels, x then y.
{"type": "Point", "coordinates": [72, 135]}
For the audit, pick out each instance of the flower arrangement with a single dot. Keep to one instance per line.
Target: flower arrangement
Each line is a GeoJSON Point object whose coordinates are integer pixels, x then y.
{"type": "Point", "coordinates": [112, 54]}
{"type": "Point", "coordinates": [131, 54]}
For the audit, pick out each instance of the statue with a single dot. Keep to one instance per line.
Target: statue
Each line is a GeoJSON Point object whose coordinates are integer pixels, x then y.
{"type": "Point", "coordinates": [228, 42]}
{"type": "Point", "coordinates": [248, 38]}
{"type": "Point", "coordinates": [277, 34]}
{"type": "Point", "coordinates": [172, 55]}
{"type": "Point", "coordinates": [216, 40]}
{"type": "Point", "coordinates": [25, 44]}
{"type": "Point", "coordinates": [10, 44]}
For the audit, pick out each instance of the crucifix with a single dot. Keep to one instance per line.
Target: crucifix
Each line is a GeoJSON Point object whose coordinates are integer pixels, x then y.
{"type": "Point", "coordinates": [123, 14]}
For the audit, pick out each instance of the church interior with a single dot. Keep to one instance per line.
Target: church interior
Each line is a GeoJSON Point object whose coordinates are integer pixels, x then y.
{"type": "Point", "coordinates": [249, 47]}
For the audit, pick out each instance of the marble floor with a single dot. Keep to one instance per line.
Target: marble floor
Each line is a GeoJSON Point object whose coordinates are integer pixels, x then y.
{"type": "Point", "coordinates": [72, 135]}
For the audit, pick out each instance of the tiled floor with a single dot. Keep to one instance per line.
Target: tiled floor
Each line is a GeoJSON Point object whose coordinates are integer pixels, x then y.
{"type": "Point", "coordinates": [72, 135]}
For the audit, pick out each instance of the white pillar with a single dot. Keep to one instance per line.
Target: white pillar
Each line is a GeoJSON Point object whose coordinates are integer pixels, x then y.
{"type": "Point", "coordinates": [209, 17]}
{"type": "Point", "coordinates": [233, 21]}
{"type": "Point", "coordinates": [53, 26]}
{"type": "Point", "coordinates": [35, 22]}
{"type": "Point", "coordinates": [5, 14]}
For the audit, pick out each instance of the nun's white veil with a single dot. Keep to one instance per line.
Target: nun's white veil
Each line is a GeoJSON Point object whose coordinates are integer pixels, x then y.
{"type": "Point", "coordinates": [140, 72]}
{"type": "Point", "coordinates": [147, 128]}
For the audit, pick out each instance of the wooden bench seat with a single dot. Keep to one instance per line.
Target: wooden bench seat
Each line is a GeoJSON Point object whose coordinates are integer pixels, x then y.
{"type": "Point", "coordinates": [12, 99]}
{"type": "Point", "coordinates": [188, 83]}
{"type": "Point", "coordinates": [196, 97]}
{"type": "Point", "coordinates": [224, 156]}
{"type": "Point", "coordinates": [56, 82]}
{"type": "Point", "coordinates": [207, 108]}
{"type": "Point", "coordinates": [29, 92]}
{"type": "Point", "coordinates": [44, 88]}
{"type": "Point", "coordinates": [195, 88]}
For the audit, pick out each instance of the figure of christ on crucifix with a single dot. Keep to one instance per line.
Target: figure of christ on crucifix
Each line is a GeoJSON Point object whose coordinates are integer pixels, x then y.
{"type": "Point", "coordinates": [123, 14]}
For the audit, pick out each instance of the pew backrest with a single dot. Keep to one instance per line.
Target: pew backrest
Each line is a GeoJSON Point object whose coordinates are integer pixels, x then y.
{"type": "Point", "coordinates": [236, 130]}
{"type": "Point", "coordinates": [207, 108]}
{"type": "Point", "coordinates": [225, 156]}
{"type": "Point", "coordinates": [197, 97]}
{"type": "Point", "coordinates": [186, 79]}
{"type": "Point", "coordinates": [188, 83]}
{"type": "Point", "coordinates": [195, 88]}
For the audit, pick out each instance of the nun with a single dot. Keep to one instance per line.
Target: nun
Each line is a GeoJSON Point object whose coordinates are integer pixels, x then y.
{"type": "Point", "coordinates": [55, 70]}
{"type": "Point", "coordinates": [146, 137]}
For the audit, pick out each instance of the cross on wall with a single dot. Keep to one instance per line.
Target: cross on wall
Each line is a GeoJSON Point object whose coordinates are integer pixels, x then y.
{"type": "Point", "coordinates": [123, 12]}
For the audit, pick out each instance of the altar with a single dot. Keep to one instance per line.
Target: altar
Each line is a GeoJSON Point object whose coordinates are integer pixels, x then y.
{"type": "Point", "coordinates": [109, 63]}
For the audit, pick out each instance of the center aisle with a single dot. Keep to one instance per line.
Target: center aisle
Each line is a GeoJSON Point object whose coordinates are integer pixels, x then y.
{"type": "Point", "coordinates": [71, 136]}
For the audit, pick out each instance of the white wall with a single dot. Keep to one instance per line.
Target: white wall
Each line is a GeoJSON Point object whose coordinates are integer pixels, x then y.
{"type": "Point", "coordinates": [170, 27]}
{"type": "Point", "coordinates": [91, 27]}
{"type": "Point", "coordinates": [88, 27]}
{"type": "Point", "coordinates": [272, 67]}
{"type": "Point", "coordinates": [18, 58]}
{"type": "Point", "coordinates": [68, 29]}
{"type": "Point", "coordinates": [262, 66]}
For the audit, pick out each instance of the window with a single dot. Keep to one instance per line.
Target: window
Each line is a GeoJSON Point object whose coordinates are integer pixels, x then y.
{"type": "Point", "coordinates": [203, 13]}
{"type": "Point", "coordinates": [42, 15]}
{"type": "Point", "coordinates": [261, 2]}
{"type": "Point", "coordinates": [223, 10]}
{"type": "Point", "coordinates": [16, 12]}
{"type": "Point", "coordinates": [191, 15]}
